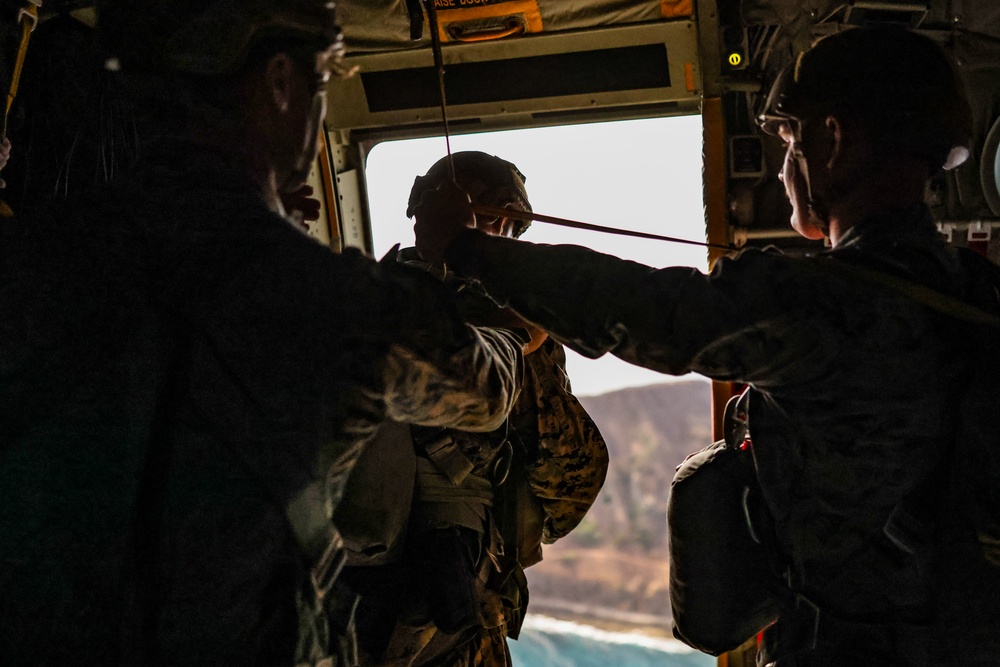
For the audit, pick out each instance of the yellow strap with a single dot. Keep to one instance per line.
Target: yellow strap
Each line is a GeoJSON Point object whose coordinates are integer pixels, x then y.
{"type": "Point", "coordinates": [29, 19]}
{"type": "Point", "coordinates": [28, 16]}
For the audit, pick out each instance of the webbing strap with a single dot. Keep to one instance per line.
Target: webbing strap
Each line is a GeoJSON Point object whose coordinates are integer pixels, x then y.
{"type": "Point", "coordinates": [28, 17]}
{"type": "Point", "coordinates": [449, 459]}
{"type": "Point", "coordinates": [942, 303]}
{"type": "Point", "coordinates": [435, 486]}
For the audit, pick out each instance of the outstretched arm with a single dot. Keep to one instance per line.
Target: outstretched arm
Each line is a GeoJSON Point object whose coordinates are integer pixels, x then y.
{"type": "Point", "coordinates": [735, 324]}
{"type": "Point", "coordinates": [471, 389]}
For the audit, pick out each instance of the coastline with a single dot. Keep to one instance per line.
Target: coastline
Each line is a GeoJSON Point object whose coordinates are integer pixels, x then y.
{"type": "Point", "coordinates": [603, 618]}
{"type": "Point", "coordinates": [595, 640]}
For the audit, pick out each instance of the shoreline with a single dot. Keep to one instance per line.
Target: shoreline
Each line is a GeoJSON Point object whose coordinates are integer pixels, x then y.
{"type": "Point", "coordinates": [603, 618]}
{"type": "Point", "coordinates": [546, 631]}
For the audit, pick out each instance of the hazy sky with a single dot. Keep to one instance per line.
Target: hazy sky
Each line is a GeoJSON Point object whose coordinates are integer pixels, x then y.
{"type": "Point", "coordinates": [639, 175]}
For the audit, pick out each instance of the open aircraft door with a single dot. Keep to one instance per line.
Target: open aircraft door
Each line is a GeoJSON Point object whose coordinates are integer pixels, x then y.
{"type": "Point", "coordinates": [568, 62]}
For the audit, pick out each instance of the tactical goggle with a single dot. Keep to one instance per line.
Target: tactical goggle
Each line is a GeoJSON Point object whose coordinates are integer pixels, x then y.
{"type": "Point", "coordinates": [508, 198]}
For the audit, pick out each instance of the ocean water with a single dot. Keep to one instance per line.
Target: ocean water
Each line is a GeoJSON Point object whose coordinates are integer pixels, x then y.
{"type": "Point", "coordinates": [550, 642]}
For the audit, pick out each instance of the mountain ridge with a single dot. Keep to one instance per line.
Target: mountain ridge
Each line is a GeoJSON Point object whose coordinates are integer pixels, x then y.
{"type": "Point", "coordinates": [617, 558]}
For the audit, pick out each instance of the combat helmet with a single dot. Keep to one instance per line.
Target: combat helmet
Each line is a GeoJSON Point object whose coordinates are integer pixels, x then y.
{"type": "Point", "coordinates": [210, 37]}
{"type": "Point", "coordinates": [503, 183]}
{"type": "Point", "coordinates": [898, 83]}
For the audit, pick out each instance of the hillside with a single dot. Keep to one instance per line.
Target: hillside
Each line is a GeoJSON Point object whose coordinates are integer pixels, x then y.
{"type": "Point", "coordinates": [614, 565]}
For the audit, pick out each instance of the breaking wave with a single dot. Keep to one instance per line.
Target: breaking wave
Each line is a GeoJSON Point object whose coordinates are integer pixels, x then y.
{"type": "Point", "coordinates": [551, 642]}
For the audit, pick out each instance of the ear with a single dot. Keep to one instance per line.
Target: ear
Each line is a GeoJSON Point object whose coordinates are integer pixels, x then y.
{"type": "Point", "coordinates": [835, 139]}
{"type": "Point", "coordinates": [279, 75]}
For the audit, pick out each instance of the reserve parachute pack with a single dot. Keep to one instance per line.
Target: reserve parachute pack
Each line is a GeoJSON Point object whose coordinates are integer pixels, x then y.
{"type": "Point", "coordinates": [722, 586]}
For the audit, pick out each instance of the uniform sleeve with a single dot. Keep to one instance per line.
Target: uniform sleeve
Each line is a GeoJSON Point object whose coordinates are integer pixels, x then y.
{"type": "Point", "coordinates": [570, 459]}
{"type": "Point", "coordinates": [755, 318]}
{"type": "Point", "coordinates": [437, 369]}
{"type": "Point", "coordinates": [472, 389]}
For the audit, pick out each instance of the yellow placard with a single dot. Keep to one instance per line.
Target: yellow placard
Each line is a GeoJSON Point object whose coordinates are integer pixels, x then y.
{"type": "Point", "coordinates": [462, 12]}
{"type": "Point", "coordinates": [675, 9]}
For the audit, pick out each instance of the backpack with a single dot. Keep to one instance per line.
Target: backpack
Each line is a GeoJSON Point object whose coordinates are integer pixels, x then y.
{"type": "Point", "coordinates": [723, 589]}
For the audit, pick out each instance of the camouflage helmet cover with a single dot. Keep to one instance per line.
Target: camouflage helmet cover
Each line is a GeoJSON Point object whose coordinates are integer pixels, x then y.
{"type": "Point", "coordinates": [209, 37]}
{"type": "Point", "coordinates": [900, 84]}
{"type": "Point", "coordinates": [502, 181]}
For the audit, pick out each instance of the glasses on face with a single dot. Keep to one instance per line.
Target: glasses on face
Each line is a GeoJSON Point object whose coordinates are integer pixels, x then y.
{"type": "Point", "coordinates": [786, 128]}
{"type": "Point", "coordinates": [513, 207]}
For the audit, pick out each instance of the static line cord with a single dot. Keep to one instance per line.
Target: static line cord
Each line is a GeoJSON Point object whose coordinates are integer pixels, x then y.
{"type": "Point", "coordinates": [563, 222]}
{"type": "Point", "coordinates": [432, 19]}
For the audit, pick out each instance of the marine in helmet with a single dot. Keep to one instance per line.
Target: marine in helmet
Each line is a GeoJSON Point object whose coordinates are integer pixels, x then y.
{"type": "Point", "coordinates": [487, 179]}
{"type": "Point", "coordinates": [483, 503]}
{"type": "Point", "coordinates": [853, 383]}
{"type": "Point", "coordinates": [909, 109]}
{"type": "Point", "coordinates": [186, 379]}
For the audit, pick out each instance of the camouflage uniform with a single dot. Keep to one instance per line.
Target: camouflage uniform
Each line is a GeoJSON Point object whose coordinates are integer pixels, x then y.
{"type": "Point", "coordinates": [559, 473]}
{"type": "Point", "coordinates": [568, 456]}
{"type": "Point", "coordinates": [850, 409]}
{"type": "Point", "coordinates": [185, 382]}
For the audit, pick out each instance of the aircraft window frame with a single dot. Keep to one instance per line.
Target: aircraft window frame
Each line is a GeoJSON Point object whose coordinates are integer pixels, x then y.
{"type": "Point", "coordinates": [588, 376]}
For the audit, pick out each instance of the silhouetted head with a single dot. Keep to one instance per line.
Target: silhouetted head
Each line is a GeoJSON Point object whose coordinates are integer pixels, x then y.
{"type": "Point", "coordinates": [891, 91]}
{"type": "Point", "coordinates": [488, 180]}
{"type": "Point", "coordinates": [247, 77]}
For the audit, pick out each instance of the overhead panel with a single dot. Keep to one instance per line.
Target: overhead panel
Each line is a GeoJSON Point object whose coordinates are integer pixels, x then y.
{"type": "Point", "coordinates": [536, 77]}
{"type": "Point", "coordinates": [384, 25]}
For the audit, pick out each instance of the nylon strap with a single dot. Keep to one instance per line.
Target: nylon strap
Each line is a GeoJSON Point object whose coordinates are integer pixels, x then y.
{"type": "Point", "coordinates": [942, 303]}
{"type": "Point", "coordinates": [447, 456]}
{"type": "Point", "coordinates": [28, 17]}
{"type": "Point", "coordinates": [574, 224]}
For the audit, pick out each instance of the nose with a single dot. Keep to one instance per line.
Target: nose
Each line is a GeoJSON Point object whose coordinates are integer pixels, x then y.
{"type": "Point", "coordinates": [787, 168]}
